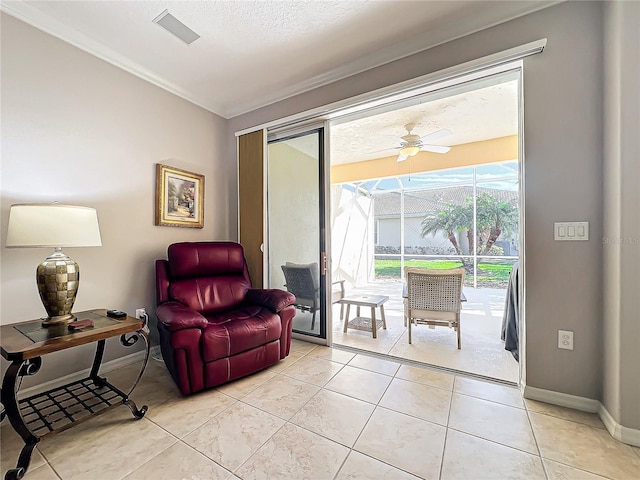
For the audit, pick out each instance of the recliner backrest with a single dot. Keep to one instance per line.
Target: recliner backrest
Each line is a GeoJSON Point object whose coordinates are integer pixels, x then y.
{"type": "Point", "coordinates": [208, 277]}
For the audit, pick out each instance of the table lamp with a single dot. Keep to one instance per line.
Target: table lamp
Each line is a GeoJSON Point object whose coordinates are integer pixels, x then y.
{"type": "Point", "coordinates": [53, 225]}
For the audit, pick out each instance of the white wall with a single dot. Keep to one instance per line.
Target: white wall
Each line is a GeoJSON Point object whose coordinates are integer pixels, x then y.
{"type": "Point", "coordinates": [563, 163]}
{"type": "Point", "coordinates": [78, 130]}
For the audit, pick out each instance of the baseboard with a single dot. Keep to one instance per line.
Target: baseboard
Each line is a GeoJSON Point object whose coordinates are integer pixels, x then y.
{"type": "Point", "coordinates": [106, 367]}
{"type": "Point", "coordinates": [562, 399]}
{"type": "Point", "coordinates": [617, 431]}
{"type": "Point", "coordinates": [627, 435]}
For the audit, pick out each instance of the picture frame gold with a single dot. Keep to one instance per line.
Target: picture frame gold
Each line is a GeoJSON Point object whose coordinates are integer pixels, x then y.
{"type": "Point", "coordinates": [179, 197]}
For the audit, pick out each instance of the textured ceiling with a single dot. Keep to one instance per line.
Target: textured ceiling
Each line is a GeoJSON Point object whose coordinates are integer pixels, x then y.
{"type": "Point", "coordinates": [475, 115]}
{"type": "Point", "coordinates": [252, 53]}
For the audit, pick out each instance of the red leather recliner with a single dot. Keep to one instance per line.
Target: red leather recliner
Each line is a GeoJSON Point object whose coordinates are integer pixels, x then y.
{"type": "Point", "coordinates": [213, 326]}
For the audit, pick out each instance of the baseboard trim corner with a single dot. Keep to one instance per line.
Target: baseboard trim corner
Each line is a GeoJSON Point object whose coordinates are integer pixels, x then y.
{"type": "Point", "coordinates": [562, 399]}
{"type": "Point", "coordinates": [623, 434]}
{"type": "Point", "coordinates": [617, 431]}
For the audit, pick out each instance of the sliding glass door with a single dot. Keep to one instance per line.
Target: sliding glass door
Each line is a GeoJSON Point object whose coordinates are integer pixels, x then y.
{"type": "Point", "coordinates": [295, 225]}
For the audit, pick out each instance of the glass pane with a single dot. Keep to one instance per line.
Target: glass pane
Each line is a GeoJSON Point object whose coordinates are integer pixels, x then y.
{"type": "Point", "coordinates": [437, 221]}
{"type": "Point", "coordinates": [438, 178]}
{"type": "Point", "coordinates": [497, 170]}
{"type": "Point", "coordinates": [493, 272]}
{"type": "Point", "coordinates": [293, 209]}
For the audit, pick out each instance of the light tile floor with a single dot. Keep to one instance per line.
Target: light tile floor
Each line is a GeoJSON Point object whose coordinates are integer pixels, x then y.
{"type": "Point", "coordinates": [330, 414]}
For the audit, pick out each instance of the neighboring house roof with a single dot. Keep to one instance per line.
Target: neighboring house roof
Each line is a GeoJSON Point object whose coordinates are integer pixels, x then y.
{"type": "Point", "coordinates": [387, 204]}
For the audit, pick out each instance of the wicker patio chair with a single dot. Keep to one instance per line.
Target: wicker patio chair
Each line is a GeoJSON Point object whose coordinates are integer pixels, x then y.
{"type": "Point", "coordinates": [433, 298]}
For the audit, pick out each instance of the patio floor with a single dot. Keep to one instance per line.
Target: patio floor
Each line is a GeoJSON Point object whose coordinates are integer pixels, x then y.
{"type": "Point", "coordinates": [482, 350]}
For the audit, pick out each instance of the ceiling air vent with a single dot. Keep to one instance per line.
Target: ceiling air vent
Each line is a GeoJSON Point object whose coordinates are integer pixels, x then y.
{"type": "Point", "coordinates": [174, 26]}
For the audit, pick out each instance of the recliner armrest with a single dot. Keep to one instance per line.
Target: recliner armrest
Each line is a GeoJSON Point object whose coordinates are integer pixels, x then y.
{"type": "Point", "coordinates": [274, 299]}
{"type": "Point", "coordinates": [175, 316]}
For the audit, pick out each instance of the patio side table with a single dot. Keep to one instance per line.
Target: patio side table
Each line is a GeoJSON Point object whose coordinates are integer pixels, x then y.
{"type": "Point", "coordinates": [363, 323]}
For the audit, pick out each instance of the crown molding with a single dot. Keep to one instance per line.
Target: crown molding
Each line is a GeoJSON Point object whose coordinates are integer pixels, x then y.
{"type": "Point", "coordinates": [482, 19]}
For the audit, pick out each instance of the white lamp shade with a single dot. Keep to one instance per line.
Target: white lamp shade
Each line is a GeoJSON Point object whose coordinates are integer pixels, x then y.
{"type": "Point", "coordinates": [53, 225]}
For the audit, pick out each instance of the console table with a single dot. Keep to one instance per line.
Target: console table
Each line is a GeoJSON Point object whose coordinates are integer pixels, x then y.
{"type": "Point", "coordinates": [50, 412]}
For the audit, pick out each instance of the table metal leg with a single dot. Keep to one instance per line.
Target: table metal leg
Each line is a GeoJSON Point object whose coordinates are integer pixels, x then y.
{"type": "Point", "coordinates": [9, 400]}
{"type": "Point", "coordinates": [129, 341]}
{"type": "Point", "coordinates": [95, 368]}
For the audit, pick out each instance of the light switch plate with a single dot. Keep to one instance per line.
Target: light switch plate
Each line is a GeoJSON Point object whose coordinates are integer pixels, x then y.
{"type": "Point", "coordinates": [571, 231]}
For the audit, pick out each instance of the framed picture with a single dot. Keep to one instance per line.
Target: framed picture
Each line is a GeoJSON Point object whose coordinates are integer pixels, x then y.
{"type": "Point", "coordinates": [179, 197]}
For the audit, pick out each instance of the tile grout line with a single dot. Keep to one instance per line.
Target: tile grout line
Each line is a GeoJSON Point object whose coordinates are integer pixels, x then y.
{"type": "Point", "coordinates": [352, 449]}
{"type": "Point", "coordinates": [286, 421]}
{"type": "Point", "coordinates": [446, 431]}
{"type": "Point", "coordinates": [233, 472]}
{"type": "Point", "coordinates": [235, 400]}
{"type": "Point", "coordinates": [289, 422]}
{"type": "Point", "coordinates": [542, 458]}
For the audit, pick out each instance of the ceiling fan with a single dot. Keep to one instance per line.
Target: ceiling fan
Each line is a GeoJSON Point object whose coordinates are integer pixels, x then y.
{"type": "Point", "coordinates": [411, 144]}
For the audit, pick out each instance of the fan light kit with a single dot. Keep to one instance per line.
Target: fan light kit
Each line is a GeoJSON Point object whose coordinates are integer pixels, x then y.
{"type": "Point", "coordinates": [409, 151]}
{"type": "Point", "coordinates": [411, 144]}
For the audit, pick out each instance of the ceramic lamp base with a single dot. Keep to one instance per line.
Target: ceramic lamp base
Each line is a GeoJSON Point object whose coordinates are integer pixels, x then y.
{"type": "Point", "coordinates": [58, 278]}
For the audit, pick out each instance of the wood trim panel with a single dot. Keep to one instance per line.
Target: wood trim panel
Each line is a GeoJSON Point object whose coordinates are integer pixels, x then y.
{"type": "Point", "coordinates": [251, 201]}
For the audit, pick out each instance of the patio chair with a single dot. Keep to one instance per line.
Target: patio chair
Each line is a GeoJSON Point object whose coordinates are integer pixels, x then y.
{"type": "Point", "coordinates": [433, 298]}
{"type": "Point", "coordinates": [303, 281]}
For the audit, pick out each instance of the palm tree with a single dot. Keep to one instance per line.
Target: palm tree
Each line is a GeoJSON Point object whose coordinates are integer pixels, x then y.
{"type": "Point", "coordinates": [493, 217]}
{"type": "Point", "coordinates": [451, 219]}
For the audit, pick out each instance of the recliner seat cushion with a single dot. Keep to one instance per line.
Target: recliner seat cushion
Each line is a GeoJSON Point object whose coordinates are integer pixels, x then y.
{"type": "Point", "coordinates": [238, 330]}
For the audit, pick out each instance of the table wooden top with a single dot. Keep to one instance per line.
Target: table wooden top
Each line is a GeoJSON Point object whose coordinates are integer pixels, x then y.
{"type": "Point", "coordinates": [365, 300]}
{"type": "Point", "coordinates": [24, 340]}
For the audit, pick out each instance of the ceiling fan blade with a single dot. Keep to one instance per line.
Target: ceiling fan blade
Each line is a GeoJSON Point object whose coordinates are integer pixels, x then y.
{"type": "Point", "coordinates": [402, 158]}
{"type": "Point", "coordinates": [438, 134]}
{"type": "Point", "coordinates": [435, 148]}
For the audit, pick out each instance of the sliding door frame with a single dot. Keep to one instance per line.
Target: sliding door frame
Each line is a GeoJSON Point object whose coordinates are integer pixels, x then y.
{"type": "Point", "coordinates": [283, 134]}
{"type": "Point", "coordinates": [418, 86]}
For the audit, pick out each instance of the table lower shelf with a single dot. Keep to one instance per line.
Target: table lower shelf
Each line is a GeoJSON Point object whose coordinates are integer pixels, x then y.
{"type": "Point", "coordinates": [364, 324]}
{"type": "Point", "coordinates": [62, 407]}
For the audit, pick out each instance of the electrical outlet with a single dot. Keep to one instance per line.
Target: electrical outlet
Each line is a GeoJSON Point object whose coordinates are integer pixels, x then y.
{"type": "Point", "coordinates": [141, 313]}
{"type": "Point", "coordinates": [565, 339]}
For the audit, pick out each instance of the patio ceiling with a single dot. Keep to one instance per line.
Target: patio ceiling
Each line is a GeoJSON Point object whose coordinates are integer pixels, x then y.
{"type": "Point", "coordinates": [474, 153]}
{"type": "Point", "coordinates": [474, 115]}
{"type": "Point", "coordinates": [482, 116]}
